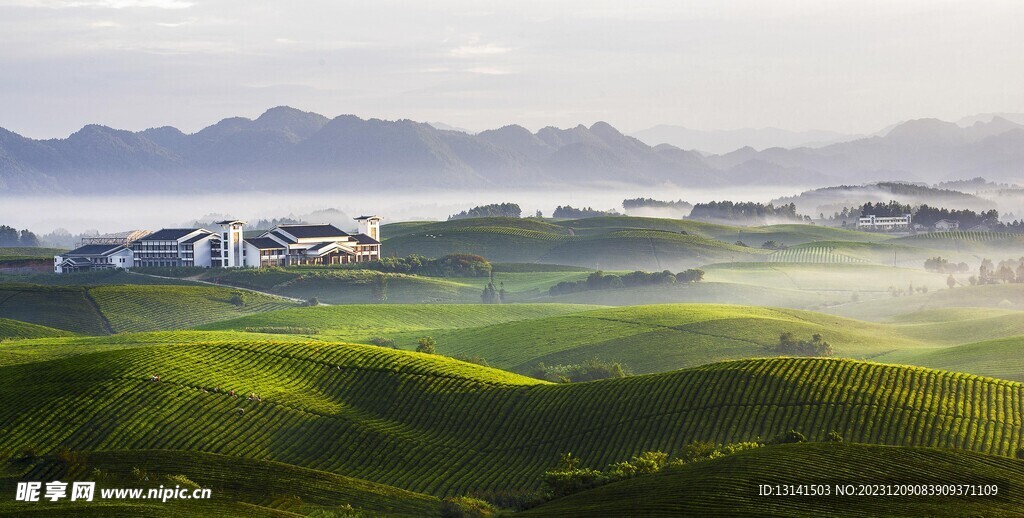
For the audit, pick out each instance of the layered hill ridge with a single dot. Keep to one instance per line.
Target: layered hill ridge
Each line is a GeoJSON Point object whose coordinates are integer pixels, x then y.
{"type": "Point", "coordinates": [410, 155]}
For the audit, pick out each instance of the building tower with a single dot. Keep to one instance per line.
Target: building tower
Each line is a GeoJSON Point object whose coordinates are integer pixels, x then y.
{"type": "Point", "coordinates": [370, 226]}
{"type": "Point", "coordinates": [232, 245]}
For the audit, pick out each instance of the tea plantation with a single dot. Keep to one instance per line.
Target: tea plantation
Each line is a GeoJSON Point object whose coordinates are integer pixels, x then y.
{"type": "Point", "coordinates": [442, 427]}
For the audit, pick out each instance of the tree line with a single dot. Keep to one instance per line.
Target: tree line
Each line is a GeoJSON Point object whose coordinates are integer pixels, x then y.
{"type": "Point", "coordinates": [507, 210]}
{"type": "Point", "coordinates": [601, 281]}
{"type": "Point", "coordinates": [730, 210]}
{"type": "Point", "coordinates": [11, 237]}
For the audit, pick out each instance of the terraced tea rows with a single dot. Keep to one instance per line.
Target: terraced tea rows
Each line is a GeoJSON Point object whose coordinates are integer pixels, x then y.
{"type": "Point", "coordinates": [66, 308]}
{"type": "Point", "coordinates": [11, 329]}
{"type": "Point", "coordinates": [814, 254]}
{"type": "Point", "coordinates": [729, 485]}
{"type": "Point", "coordinates": [151, 308]}
{"type": "Point", "coordinates": [439, 426]}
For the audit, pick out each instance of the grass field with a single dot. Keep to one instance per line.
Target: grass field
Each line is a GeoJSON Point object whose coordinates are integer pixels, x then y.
{"type": "Point", "coordinates": [729, 485]}
{"type": "Point", "coordinates": [706, 292]}
{"type": "Point", "coordinates": [437, 426]}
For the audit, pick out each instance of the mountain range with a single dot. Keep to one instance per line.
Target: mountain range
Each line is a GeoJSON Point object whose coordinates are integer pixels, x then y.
{"type": "Point", "coordinates": [286, 149]}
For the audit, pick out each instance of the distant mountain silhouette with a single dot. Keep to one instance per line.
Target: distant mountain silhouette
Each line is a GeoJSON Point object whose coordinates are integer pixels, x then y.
{"type": "Point", "coordinates": [290, 150]}
{"type": "Point", "coordinates": [723, 141]}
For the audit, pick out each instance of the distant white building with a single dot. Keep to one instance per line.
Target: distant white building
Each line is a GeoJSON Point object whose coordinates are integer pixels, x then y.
{"type": "Point", "coordinates": [315, 244]}
{"type": "Point", "coordinates": [94, 257]}
{"type": "Point", "coordinates": [284, 245]}
{"type": "Point", "coordinates": [885, 224]}
{"type": "Point", "coordinates": [945, 225]}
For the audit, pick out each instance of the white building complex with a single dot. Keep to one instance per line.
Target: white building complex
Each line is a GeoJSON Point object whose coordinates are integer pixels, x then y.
{"type": "Point", "coordinates": [885, 224]}
{"type": "Point", "coordinates": [284, 245]}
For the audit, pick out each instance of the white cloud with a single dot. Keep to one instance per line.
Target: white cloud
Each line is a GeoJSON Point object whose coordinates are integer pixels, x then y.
{"type": "Point", "coordinates": [470, 51]}
{"type": "Point", "coordinates": [489, 71]}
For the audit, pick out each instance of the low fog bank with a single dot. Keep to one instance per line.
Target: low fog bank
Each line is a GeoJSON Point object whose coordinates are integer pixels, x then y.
{"type": "Point", "coordinates": [117, 213]}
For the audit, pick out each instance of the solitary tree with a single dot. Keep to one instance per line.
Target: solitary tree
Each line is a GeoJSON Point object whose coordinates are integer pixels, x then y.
{"type": "Point", "coordinates": [427, 345]}
{"type": "Point", "coordinates": [950, 281]}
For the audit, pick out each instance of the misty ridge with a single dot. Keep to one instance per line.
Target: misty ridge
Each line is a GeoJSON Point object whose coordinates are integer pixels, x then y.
{"type": "Point", "coordinates": [286, 149]}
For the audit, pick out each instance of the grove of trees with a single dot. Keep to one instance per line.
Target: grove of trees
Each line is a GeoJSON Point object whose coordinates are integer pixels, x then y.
{"type": "Point", "coordinates": [508, 210]}
{"type": "Point", "coordinates": [11, 237]}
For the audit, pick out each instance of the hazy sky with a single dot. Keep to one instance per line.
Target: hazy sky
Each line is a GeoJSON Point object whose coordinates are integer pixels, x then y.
{"type": "Point", "coordinates": [851, 66]}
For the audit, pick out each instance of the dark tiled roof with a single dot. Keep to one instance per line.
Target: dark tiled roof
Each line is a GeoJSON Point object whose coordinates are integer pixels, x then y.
{"type": "Point", "coordinates": [93, 250]}
{"type": "Point", "coordinates": [264, 243]}
{"type": "Point", "coordinates": [364, 239]}
{"type": "Point", "coordinates": [283, 237]}
{"type": "Point", "coordinates": [193, 239]}
{"type": "Point", "coordinates": [312, 231]}
{"type": "Point", "coordinates": [228, 222]}
{"type": "Point", "coordinates": [366, 217]}
{"type": "Point", "coordinates": [169, 234]}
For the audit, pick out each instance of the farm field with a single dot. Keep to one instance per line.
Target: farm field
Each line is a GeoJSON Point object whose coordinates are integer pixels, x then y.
{"type": "Point", "coordinates": [442, 427]}
{"type": "Point", "coordinates": [728, 485]}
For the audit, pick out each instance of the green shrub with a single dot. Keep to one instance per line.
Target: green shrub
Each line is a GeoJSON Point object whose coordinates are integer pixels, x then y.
{"type": "Point", "coordinates": [466, 507]}
{"type": "Point", "coordinates": [427, 345]}
{"type": "Point", "coordinates": [790, 437]}
{"type": "Point", "coordinates": [383, 342]}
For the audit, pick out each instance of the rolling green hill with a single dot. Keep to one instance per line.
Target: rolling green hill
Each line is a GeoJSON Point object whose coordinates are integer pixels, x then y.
{"type": "Point", "coordinates": [350, 286]}
{"type": "Point", "coordinates": [66, 308]}
{"type": "Point", "coordinates": [729, 485]}
{"type": "Point", "coordinates": [11, 329]}
{"type": "Point", "coordinates": [995, 296]}
{"type": "Point", "coordinates": [152, 308]}
{"type": "Point", "coordinates": [660, 338]}
{"type": "Point", "coordinates": [106, 309]}
{"type": "Point", "coordinates": [360, 322]}
{"type": "Point", "coordinates": [1002, 358]}
{"type": "Point", "coordinates": [438, 426]}
{"type": "Point", "coordinates": [864, 279]}
{"type": "Point", "coordinates": [707, 292]}
{"type": "Point", "coordinates": [608, 243]}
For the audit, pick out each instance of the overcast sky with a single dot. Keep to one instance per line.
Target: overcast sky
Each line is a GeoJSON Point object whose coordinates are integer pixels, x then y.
{"type": "Point", "coordinates": [850, 66]}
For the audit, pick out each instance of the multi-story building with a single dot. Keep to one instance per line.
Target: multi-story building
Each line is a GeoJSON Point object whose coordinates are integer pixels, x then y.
{"type": "Point", "coordinates": [885, 223]}
{"type": "Point", "coordinates": [284, 245]}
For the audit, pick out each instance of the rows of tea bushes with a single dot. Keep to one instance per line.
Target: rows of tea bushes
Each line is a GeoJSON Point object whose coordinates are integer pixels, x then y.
{"type": "Point", "coordinates": [442, 427]}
